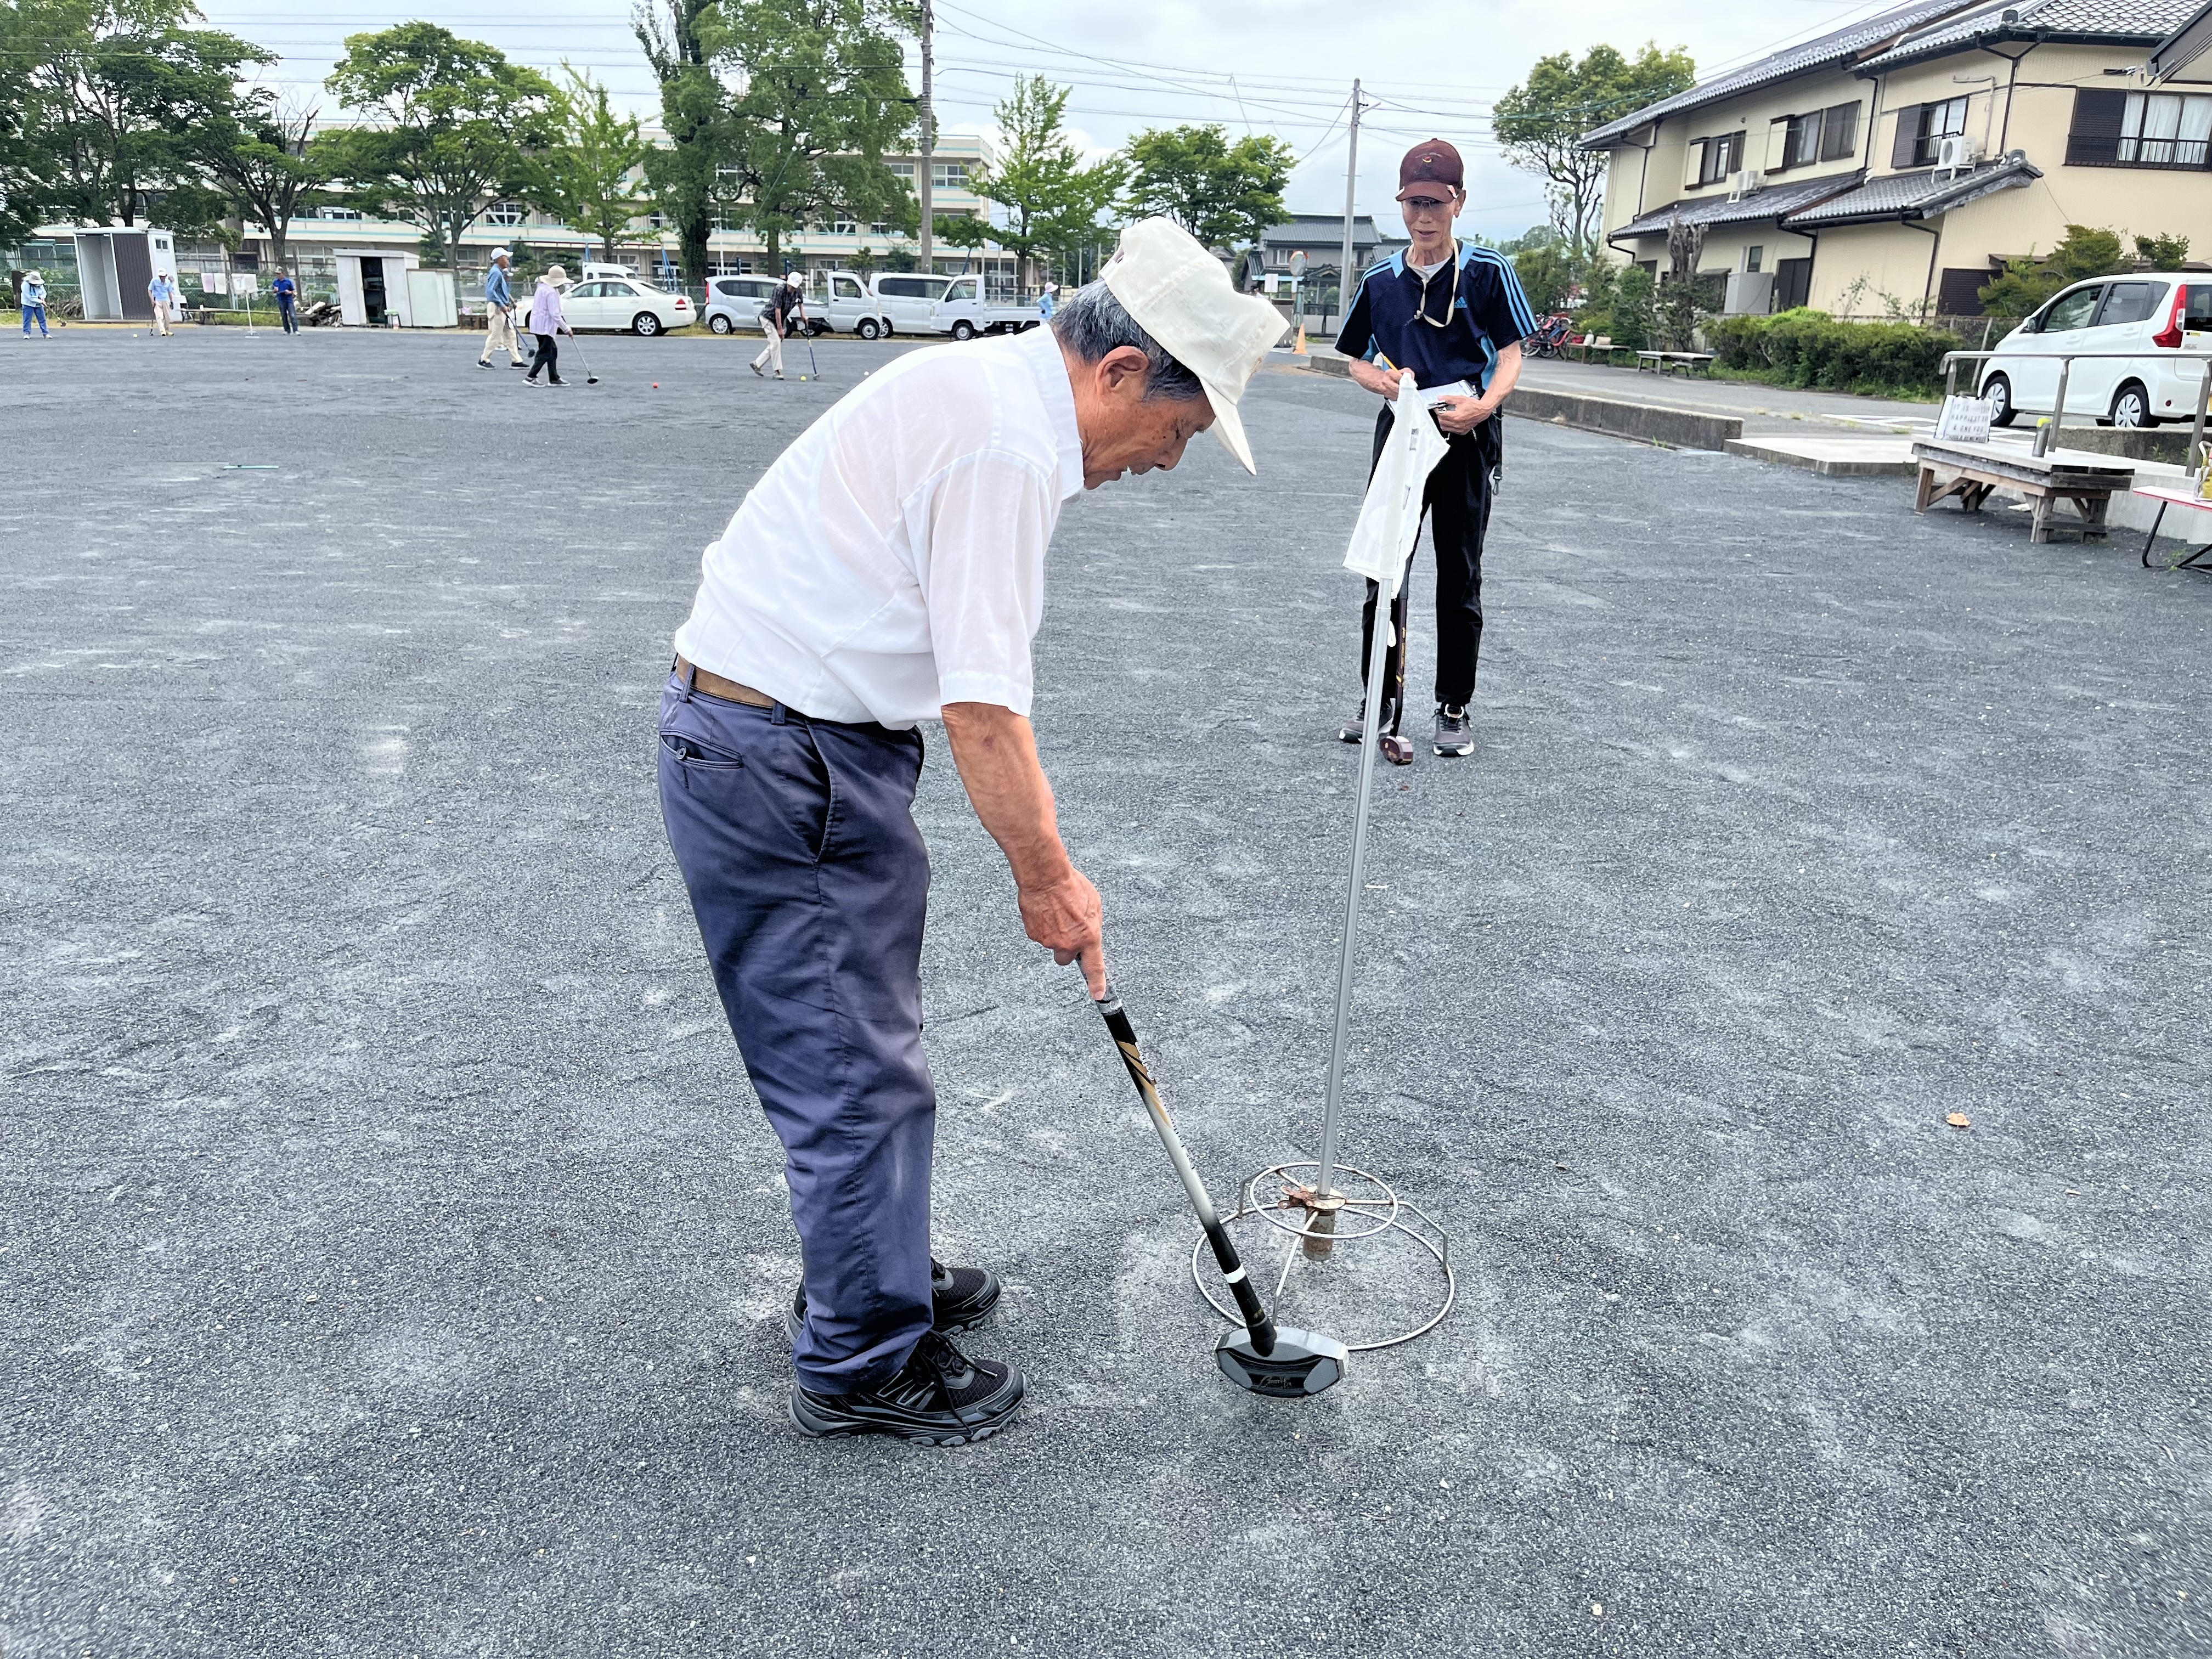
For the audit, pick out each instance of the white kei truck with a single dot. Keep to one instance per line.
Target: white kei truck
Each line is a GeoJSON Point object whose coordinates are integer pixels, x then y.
{"type": "Point", "coordinates": [838, 302]}
{"type": "Point", "coordinates": [964, 312]}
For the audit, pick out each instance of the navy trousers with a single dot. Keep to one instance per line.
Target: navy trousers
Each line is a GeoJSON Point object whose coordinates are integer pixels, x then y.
{"type": "Point", "coordinates": [1457, 504]}
{"type": "Point", "coordinates": [810, 881]}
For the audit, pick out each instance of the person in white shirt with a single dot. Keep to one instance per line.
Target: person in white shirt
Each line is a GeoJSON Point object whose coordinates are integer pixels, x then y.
{"type": "Point", "coordinates": [161, 292]}
{"type": "Point", "coordinates": [889, 568]}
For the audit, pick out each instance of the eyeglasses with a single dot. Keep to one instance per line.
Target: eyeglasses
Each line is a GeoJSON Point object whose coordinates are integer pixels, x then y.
{"type": "Point", "coordinates": [1424, 204]}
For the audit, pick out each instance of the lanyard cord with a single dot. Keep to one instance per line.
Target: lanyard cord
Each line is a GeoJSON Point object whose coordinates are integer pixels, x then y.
{"type": "Point", "coordinates": [1450, 264]}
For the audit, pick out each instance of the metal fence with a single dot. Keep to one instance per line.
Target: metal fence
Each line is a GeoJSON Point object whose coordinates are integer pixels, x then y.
{"type": "Point", "coordinates": [2066, 360]}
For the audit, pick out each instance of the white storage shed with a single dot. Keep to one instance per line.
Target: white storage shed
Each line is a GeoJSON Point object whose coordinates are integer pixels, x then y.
{"type": "Point", "coordinates": [114, 267]}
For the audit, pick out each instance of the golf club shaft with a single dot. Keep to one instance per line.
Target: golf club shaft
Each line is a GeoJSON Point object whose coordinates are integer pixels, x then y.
{"type": "Point", "coordinates": [1224, 1251]}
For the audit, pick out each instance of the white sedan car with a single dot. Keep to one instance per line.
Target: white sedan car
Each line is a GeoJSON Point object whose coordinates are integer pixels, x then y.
{"type": "Point", "coordinates": [626, 304]}
{"type": "Point", "coordinates": [2157, 315]}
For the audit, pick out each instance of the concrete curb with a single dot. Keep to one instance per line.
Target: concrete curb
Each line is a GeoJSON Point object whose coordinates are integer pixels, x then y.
{"type": "Point", "coordinates": [1650, 423]}
{"type": "Point", "coordinates": [1828, 466]}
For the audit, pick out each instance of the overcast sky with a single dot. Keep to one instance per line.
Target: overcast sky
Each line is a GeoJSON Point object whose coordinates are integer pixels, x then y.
{"type": "Point", "coordinates": [1278, 66]}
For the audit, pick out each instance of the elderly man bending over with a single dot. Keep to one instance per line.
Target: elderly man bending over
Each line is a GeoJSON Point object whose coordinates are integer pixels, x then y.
{"type": "Point", "coordinates": [888, 569]}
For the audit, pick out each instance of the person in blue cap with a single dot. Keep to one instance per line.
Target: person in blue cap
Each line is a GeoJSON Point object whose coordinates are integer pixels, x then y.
{"type": "Point", "coordinates": [1455, 316]}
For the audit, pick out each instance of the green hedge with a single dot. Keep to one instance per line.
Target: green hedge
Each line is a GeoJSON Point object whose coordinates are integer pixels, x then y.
{"type": "Point", "coordinates": [1806, 348]}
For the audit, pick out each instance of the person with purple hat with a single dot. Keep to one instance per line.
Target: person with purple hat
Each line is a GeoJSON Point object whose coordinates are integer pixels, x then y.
{"type": "Point", "coordinates": [1455, 316]}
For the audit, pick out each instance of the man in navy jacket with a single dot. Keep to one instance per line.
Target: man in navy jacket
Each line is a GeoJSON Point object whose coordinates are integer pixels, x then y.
{"type": "Point", "coordinates": [1455, 316]}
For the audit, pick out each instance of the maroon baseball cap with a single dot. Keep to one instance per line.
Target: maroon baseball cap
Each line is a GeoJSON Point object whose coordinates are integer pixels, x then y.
{"type": "Point", "coordinates": [1432, 162]}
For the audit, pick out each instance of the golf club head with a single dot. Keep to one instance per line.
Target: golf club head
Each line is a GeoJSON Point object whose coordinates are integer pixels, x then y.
{"type": "Point", "coordinates": [1302, 1363]}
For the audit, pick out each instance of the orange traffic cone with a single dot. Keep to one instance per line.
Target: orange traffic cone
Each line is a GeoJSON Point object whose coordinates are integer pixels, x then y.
{"type": "Point", "coordinates": [1299, 350]}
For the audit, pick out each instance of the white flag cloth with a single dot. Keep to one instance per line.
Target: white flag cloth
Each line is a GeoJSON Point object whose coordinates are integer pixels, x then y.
{"type": "Point", "coordinates": [1390, 517]}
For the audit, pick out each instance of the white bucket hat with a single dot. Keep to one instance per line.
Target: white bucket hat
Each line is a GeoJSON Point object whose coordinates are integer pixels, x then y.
{"type": "Point", "coordinates": [1181, 295]}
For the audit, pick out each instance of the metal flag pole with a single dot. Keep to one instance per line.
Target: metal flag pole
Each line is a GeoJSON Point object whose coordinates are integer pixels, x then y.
{"type": "Point", "coordinates": [1344, 282]}
{"type": "Point", "coordinates": [1305, 1199]}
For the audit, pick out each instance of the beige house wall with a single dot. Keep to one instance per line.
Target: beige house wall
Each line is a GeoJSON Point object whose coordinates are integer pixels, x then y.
{"type": "Point", "coordinates": [1633, 189]}
{"type": "Point", "coordinates": [1868, 271]}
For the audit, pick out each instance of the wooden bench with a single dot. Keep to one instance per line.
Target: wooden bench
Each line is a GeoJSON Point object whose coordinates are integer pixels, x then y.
{"type": "Point", "coordinates": [2169, 496]}
{"type": "Point", "coordinates": [1684, 362]}
{"type": "Point", "coordinates": [1590, 343]}
{"type": "Point", "coordinates": [2086, 482]}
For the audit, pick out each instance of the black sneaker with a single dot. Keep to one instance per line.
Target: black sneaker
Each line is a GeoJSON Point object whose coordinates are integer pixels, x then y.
{"type": "Point", "coordinates": [942, 1398]}
{"type": "Point", "coordinates": [1355, 727]}
{"type": "Point", "coordinates": [964, 1297]}
{"type": "Point", "coordinates": [1454, 735]}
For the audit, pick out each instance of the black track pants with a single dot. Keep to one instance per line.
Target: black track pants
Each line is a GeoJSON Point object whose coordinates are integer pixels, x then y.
{"type": "Point", "coordinates": [1456, 505]}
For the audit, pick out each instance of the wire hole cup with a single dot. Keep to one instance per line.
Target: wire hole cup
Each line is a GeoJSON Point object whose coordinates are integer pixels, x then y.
{"type": "Point", "coordinates": [1363, 1207]}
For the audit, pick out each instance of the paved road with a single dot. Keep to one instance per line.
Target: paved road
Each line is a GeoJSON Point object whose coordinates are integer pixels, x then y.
{"type": "Point", "coordinates": [392, 1248]}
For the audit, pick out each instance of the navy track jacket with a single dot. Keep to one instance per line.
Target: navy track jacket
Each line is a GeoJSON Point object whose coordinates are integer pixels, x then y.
{"type": "Point", "coordinates": [1488, 312]}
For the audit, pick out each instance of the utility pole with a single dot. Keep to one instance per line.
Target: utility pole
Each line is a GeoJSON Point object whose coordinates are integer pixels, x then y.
{"type": "Point", "coordinates": [1345, 275]}
{"type": "Point", "coordinates": [928, 162]}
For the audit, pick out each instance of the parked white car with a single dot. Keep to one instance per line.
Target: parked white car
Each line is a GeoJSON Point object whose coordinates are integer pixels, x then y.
{"type": "Point", "coordinates": [838, 302]}
{"type": "Point", "coordinates": [964, 312]}
{"type": "Point", "coordinates": [2155, 313]}
{"type": "Point", "coordinates": [908, 297]}
{"type": "Point", "coordinates": [734, 303]}
{"type": "Point", "coordinates": [625, 303]}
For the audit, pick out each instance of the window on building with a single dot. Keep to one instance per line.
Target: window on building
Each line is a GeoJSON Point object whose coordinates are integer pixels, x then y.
{"type": "Point", "coordinates": [841, 227]}
{"type": "Point", "coordinates": [948, 175]}
{"type": "Point", "coordinates": [880, 228]}
{"type": "Point", "coordinates": [1754, 258]}
{"type": "Point", "coordinates": [1718, 157]}
{"type": "Point", "coordinates": [1839, 131]}
{"type": "Point", "coordinates": [2165, 130]}
{"type": "Point", "coordinates": [331, 210]}
{"type": "Point", "coordinates": [1937, 122]}
{"type": "Point", "coordinates": [505, 213]}
{"type": "Point", "coordinates": [901, 170]}
{"type": "Point", "coordinates": [1803, 148]}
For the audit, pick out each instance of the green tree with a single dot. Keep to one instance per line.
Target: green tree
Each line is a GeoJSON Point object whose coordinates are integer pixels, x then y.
{"type": "Point", "coordinates": [117, 91]}
{"type": "Point", "coordinates": [690, 177]}
{"type": "Point", "coordinates": [2083, 252]}
{"type": "Point", "coordinates": [824, 95]}
{"type": "Point", "coordinates": [1634, 313]}
{"type": "Point", "coordinates": [1053, 201]}
{"type": "Point", "coordinates": [586, 178]}
{"type": "Point", "coordinates": [2162, 252]}
{"type": "Point", "coordinates": [448, 125]}
{"type": "Point", "coordinates": [1547, 275]}
{"type": "Point", "coordinates": [1540, 124]}
{"type": "Point", "coordinates": [264, 162]}
{"type": "Point", "coordinates": [1222, 193]}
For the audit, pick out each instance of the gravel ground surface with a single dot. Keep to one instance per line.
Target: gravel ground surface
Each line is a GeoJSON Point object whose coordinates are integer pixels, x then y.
{"type": "Point", "coordinates": [392, 1246]}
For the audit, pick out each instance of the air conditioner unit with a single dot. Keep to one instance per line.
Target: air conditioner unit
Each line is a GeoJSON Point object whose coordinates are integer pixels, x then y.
{"type": "Point", "coordinates": [1955, 154]}
{"type": "Point", "coordinates": [1747, 183]}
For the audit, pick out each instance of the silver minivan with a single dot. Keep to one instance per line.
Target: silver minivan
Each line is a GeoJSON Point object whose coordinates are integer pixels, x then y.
{"type": "Point", "coordinates": [734, 303]}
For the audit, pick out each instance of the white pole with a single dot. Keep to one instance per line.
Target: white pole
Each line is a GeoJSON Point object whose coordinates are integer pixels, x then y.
{"type": "Point", "coordinates": [922, 180]}
{"type": "Point", "coordinates": [1344, 276]}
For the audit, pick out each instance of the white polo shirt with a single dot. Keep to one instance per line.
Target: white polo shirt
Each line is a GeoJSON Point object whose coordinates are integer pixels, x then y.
{"type": "Point", "coordinates": [892, 560]}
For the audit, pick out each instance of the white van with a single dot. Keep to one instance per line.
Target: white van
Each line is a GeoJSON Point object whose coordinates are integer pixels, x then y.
{"type": "Point", "coordinates": [907, 297]}
{"type": "Point", "coordinates": [2155, 313]}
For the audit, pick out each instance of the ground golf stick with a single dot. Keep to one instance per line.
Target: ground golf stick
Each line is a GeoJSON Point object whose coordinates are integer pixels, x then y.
{"type": "Point", "coordinates": [590, 378]}
{"type": "Point", "coordinates": [1263, 1358]}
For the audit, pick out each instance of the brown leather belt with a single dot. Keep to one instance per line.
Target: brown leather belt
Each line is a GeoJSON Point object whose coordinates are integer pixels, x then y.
{"type": "Point", "coordinates": [715, 686]}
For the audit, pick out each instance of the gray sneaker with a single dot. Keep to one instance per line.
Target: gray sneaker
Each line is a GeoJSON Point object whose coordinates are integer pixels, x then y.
{"type": "Point", "coordinates": [1355, 727]}
{"type": "Point", "coordinates": [1454, 735]}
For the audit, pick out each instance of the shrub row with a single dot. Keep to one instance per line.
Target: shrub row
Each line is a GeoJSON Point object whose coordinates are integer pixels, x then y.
{"type": "Point", "coordinates": [1806, 348]}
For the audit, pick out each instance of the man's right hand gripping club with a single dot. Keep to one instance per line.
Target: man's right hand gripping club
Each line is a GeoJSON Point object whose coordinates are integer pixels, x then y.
{"type": "Point", "coordinates": [996, 752]}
